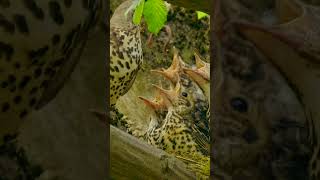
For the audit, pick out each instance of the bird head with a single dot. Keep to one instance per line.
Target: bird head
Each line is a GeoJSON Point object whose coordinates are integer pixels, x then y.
{"type": "Point", "coordinates": [123, 14]}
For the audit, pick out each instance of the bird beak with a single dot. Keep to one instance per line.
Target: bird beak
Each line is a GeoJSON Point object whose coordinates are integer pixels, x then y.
{"type": "Point", "coordinates": [171, 94]}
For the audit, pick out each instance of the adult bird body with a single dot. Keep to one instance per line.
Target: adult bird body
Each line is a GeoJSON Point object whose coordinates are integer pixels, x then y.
{"type": "Point", "coordinates": [125, 51]}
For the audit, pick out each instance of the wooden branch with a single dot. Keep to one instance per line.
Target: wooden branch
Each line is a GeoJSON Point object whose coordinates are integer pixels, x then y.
{"type": "Point", "coordinates": [132, 158]}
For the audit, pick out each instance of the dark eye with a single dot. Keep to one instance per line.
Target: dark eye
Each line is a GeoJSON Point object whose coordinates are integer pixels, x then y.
{"type": "Point", "coordinates": [184, 94]}
{"type": "Point", "coordinates": [239, 104]}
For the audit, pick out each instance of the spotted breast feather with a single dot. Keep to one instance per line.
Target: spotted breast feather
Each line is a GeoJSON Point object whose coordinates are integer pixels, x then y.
{"type": "Point", "coordinates": [40, 43]}
{"type": "Point", "coordinates": [125, 52]}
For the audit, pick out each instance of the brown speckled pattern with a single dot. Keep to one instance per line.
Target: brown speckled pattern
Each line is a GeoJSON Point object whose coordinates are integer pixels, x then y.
{"type": "Point", "coordinates": [126, 59]}
{"type": "Point", "coordinates": [36, 39]}
{"type": "Point", "coordinates": [184, 127]}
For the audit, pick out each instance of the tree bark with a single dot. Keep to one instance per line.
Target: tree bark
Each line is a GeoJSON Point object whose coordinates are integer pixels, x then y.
{"type": "Point", "coordinates": [133, 158]}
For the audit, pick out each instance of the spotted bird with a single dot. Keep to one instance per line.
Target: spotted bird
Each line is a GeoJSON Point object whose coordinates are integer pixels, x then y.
{"type": "Point", "coordinates": [125, 51]}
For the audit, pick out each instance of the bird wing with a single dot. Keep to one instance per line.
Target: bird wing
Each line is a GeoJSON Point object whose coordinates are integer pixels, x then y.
{"type": "Point", "coordinates": [201, 135]}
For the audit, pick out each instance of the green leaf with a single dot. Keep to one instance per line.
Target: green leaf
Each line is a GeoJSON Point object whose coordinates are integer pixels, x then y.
{"type": "Point", "coordinates": [201, 15]}
{"type": "Point", "coordinates": [138, 12]}
{"type": "Point", "coordinates": [155, 14]}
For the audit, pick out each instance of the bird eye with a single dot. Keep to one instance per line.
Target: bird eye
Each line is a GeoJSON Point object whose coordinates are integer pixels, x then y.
{"type": "Point", "coordinates": [184, 94]}
{"type": "Point", "coordinates": [239, 104]}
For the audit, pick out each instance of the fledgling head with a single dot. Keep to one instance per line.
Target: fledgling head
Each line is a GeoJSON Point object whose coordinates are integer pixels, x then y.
{"type": "Point", "coordinates": [172, 73]}
{"type": "Point", "coordinates": [201, 74]}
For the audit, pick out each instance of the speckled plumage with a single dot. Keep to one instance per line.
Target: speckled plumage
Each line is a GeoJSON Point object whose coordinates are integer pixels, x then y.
{"type": "Point", "coordinates": [40, 42]}
{"type": "Point", "coordinates": [125, 52]}
{"type": "Point", "coordinates": [183, 127]}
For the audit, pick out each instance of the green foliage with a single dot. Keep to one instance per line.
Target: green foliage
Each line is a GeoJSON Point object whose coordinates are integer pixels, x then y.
{"type": "Point", "coordinates": [138, 12]}
{"type": "Point", "coordinates": [155, 14]}
{"type": "Point", "coordinates": [201, 14]}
